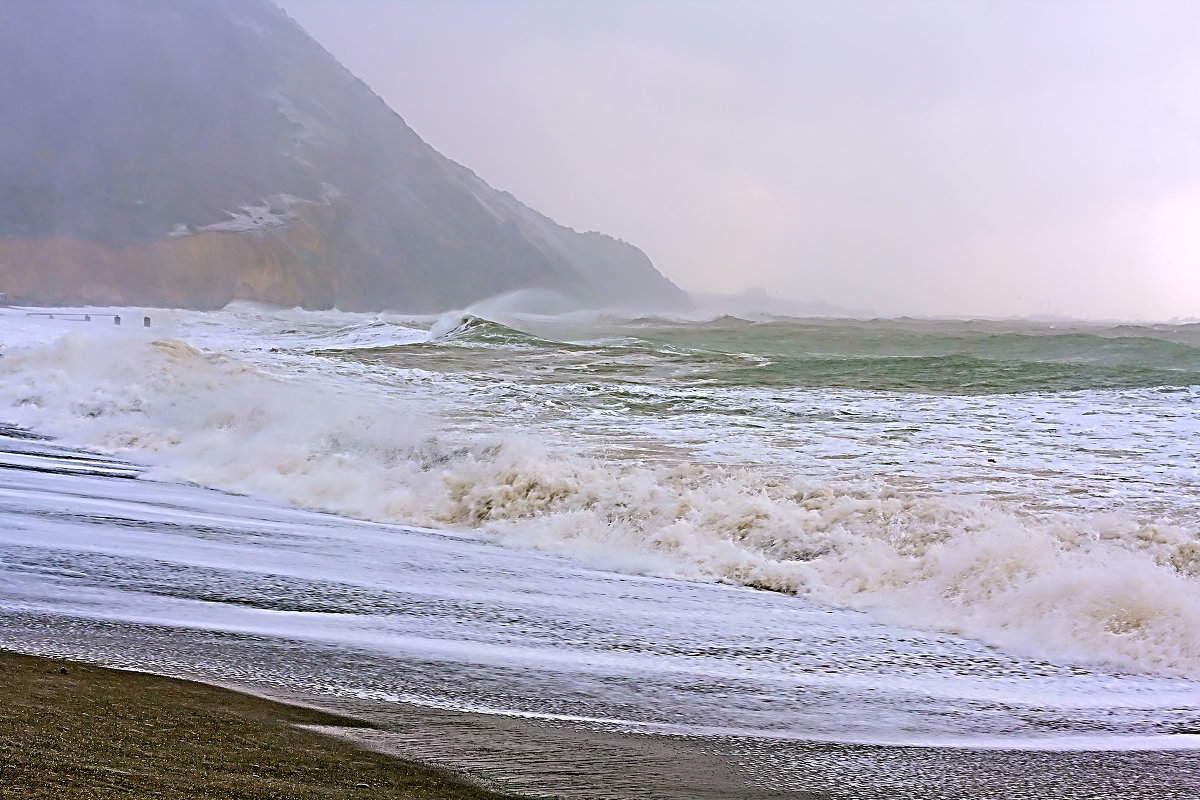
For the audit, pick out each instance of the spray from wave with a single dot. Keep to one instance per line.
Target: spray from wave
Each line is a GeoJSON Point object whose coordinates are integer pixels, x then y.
{"type": "Point", "coordinates": [1080, 588]}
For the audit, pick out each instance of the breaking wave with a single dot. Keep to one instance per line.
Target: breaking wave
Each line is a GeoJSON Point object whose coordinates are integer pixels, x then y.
{"type": "Point", "coordinates": [1062, 586]}
{"type": "Point", "coordinates": [472, 329]}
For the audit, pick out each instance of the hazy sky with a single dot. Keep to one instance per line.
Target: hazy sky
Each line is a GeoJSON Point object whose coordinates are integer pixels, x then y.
{"type": "Point", "coordinates": [944, 156]}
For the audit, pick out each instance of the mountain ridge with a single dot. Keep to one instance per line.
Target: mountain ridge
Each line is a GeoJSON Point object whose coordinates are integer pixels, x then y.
{"type": "Point", "coordinates": [201, 151]}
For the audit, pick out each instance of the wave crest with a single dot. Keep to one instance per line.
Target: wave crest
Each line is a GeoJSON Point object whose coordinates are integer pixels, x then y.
{"type": "Point", "coordinates": [1088, 588]}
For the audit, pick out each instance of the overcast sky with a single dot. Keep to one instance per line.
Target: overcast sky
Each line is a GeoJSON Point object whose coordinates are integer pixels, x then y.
{"type": "Point", "coordinates": [924, 157]}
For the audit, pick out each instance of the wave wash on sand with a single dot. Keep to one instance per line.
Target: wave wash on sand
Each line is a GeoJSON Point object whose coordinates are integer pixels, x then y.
{"type": "Point", "coordinates": [213, 403]}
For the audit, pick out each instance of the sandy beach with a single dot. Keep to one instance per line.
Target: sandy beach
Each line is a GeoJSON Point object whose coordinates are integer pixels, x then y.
{"type": "Point", "coordinates": [74, 730]}
{"type": "Point", "coordinates": [559, 758]}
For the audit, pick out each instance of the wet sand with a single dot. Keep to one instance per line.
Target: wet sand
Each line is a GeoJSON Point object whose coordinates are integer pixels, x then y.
{"type": "Point", "coordinates": [576, 761]}
{"type": "Point", "coordinates": [568, 760]}
{"type": "Point", "coordinates": [72, 730]}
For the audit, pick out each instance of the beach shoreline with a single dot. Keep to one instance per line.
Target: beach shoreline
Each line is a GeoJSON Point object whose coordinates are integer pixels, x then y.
{"type": "Point", "coordinates": [50, 608]}
{"type": "Point", "coordinates": [462, 754]}
{"type": "Point", "coordinates": [78, 730]}
{"type": "Point", "coordinates": [523, 756]}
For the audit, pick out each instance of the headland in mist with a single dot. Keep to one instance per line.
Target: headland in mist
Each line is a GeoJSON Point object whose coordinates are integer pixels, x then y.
{"type": "Point", "coordinates": [200, 151]}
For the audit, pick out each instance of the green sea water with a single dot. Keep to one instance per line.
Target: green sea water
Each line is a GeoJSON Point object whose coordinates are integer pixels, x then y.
{"type": "Point", "coordinates": [896, 355]}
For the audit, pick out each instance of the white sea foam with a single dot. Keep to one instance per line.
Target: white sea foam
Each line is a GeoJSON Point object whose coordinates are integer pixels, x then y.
{"type": "Point", "coordinates": [1063, 586]}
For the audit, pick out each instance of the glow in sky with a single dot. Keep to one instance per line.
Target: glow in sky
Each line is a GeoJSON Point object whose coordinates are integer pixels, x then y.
{"type": "Point", "coordinates": [1004, 157]}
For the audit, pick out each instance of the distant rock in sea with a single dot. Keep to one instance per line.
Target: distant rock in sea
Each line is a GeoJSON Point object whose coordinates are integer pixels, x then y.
{"type": "Point", "coordinates": [194, 152]}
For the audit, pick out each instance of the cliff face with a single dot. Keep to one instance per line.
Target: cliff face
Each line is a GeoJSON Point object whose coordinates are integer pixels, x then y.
{"type": "Point", "coordinates": [193, 152]}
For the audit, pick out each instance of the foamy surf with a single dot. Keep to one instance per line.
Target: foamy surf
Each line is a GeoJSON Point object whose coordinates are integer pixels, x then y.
{"type": "Point", "coordinates": [388, 442]}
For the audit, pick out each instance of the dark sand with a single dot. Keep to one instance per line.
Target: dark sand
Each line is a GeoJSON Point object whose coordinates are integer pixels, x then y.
{"type": "Point", "coordinates": [71, 730]}
{"type": "Point", "coordinates": [573, 761]}
{"type": "Point", "coordinates": [531, 757]}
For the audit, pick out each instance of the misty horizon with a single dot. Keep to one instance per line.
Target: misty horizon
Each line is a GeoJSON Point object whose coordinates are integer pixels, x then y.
{"type": "Point", "coordinates": [988, 159]}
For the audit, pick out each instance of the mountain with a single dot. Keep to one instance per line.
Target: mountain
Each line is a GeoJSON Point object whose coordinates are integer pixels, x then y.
{"type": "Point", "coordinates": [193, 152]}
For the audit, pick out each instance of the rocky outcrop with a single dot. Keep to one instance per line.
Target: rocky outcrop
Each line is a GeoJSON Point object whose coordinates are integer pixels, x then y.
{"type": "Point", "coordinates": [193, 152]}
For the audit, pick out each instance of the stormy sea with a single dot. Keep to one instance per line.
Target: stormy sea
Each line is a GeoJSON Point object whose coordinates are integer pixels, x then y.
{"type": "Point", "coordinates": [824, 557]}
